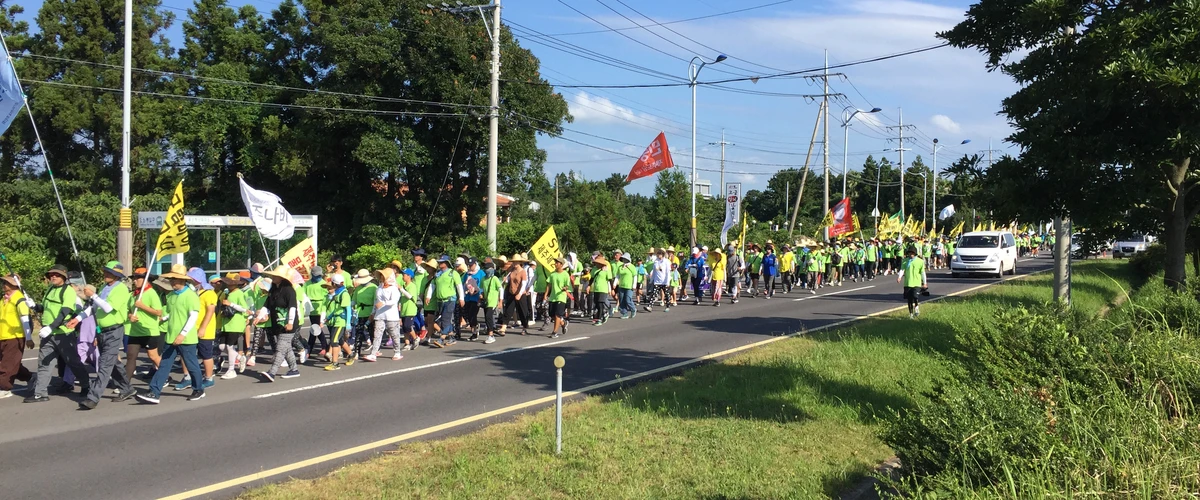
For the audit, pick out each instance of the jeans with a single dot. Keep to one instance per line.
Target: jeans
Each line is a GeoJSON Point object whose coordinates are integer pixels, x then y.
{"type": "Point", "coordinates": [191, 361]}
{"type": "Point", "coordinates": [625, 301]}
{"type": "Point", "coordinates": [58, 347]}
{"type": "Point", "coordinates": [446, 316]}
{"type": "Point", "coordinates": [111, 343]}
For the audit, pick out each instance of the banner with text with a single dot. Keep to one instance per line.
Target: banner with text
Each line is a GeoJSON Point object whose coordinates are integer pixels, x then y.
{"type": "Point", "coordinates": [657, 157]}
{"type": "Point", "coordinates": [733, 209]}
{"type": "Point", "coordinates": [173, 238]}
{"type": "Point", "coordinates": [547, 249]}
{"type": "Point", "coordinates": [302, 257]}
{"type": "Point", "coordinates": [267, 212]}
{"type": "Point", "coordinates": [840, 219]}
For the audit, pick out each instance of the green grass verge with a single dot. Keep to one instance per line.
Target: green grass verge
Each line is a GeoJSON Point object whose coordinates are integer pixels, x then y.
{"type": "Point", "coordinates": [795, 419]}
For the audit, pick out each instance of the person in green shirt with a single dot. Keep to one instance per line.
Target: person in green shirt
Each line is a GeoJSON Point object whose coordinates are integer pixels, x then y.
{"type": "Point", "coordinates": [232, 312]}
{"type": "Point", "coordinates": [447, 293]}
{"type": "Point", "coordinates": [410, 292]}
{"type": "Point", "coordinates": [317, 295]}
{"type": "Point", "coordinates": [491, 289]}
{"type": "Point", "coordinates": [339, 315]}
{"type": "Point", "coordinates": [872, 254]}
{"type": "Point", "coordinates": [111, 307]}
{"type": "Point", "coordinates": [363, 295]}
{"type": "Point", "coordinates": [58, 341]}
{"type": "Point", "coordinates": [673, 284]}
{"type": "Point", "coordinates": [145, 311]}
{"type": "Point", "coordinates": [626, 273]}
{"type": "Point", "coordinates": [912, 276]}
{"type": "Point", "coordinates": [558, 286]}
{"type": "Point", "coordinates": [754, 263]}
{"type": "Point", "coordinates": [183, 318]}
{"type": "Point", "coordinates": [601, 289]}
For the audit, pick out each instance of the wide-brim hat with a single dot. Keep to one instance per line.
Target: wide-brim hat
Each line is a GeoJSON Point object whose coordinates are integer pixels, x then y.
{"type": "Point", "coordinates": [178, 272]}
{"type": "Point", "coordinates": [671, 249]}
{"type": "Point", "coordinates": [501, 261]}
{"type": "Point", "coordinates": [233, 280]}
{"type": "Point", "coordinates": [561, 260]}
{"type": "Point", "coordinates": [386, 274]}
{"type": "Point", "coordinates": [11, 279]}
{"type": "Point", "coordinates": [361, 278]}
{"type": "Point", "coordinates": [283, 272]}
{"type": "Point", "coordinates": [419, 251]}
{"type": "Point", "coordinates": [600, 260]}
{"type": "Point", "coordinates": [115, 268]}
{"type": "Point", "coordinates": [518, 258]}
{"type": "Point", "coordinates": [396, 264]}
{"type": "Point", "coordinates": [58, 269]}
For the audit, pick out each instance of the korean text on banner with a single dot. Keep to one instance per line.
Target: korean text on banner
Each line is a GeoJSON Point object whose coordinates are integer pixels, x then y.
{"type": "Point", "coordinates": [733, 209]}
{"type": "Point", "coordinates": [657, 157]}
{"type": "Point", "coordinates": [302, 257]}
{"type": "Point", "coordinates": [173, 238]}
{"type": "Point", "coordinates": [12, 97]}
{"type": "Point", "coordinates": [547, 249]}
{"type": "Point", "coordinates": [841, 222]}
{"type": "Point", "coordinates": [267, 212]}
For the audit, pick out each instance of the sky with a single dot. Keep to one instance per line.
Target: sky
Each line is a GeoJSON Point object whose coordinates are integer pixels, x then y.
{"type": "Point", "coordinates": [944, 93]}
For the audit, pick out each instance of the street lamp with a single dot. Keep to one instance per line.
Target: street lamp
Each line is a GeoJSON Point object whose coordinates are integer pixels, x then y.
{"type": "Point", "coordinates": [934, 201]}
{"type": "Point", "coordinates": [846, 143]}
{"type": "Point", "coordinates": [693, 73]}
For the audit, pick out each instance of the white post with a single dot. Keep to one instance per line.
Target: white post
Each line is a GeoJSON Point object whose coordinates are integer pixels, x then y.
{"type": "Point", "coordinates": [125, 219]}
{"type": "Point", "coordinates": [692, 72]}
{"type": "Point", "coordinates": [846, 153]}
{"type": "Point", "coordinates": [494, 130]}
{"type": "Point", "coordinates": [559, 362]}
{"type": "Point", "coordinates": [934, 197]}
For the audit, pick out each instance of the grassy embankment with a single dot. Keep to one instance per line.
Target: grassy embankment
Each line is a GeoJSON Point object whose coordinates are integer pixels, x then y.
{"type": "Point", "coordinates": [798, 418]}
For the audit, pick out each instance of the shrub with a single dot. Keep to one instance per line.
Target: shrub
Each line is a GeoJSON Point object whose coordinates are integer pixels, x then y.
{"type": "Point", "coordinates": [374, 256]}
{"type": "Point", "coordinates": [1150, 262]}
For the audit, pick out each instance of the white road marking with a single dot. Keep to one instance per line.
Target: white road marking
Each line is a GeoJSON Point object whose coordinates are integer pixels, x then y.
{"type": "Point", "coordinates": [415, 368]}
{"type": "Point", "coordinates": [833, 293]}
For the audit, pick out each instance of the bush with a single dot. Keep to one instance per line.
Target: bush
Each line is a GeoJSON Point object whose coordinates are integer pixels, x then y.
{"type": "Point", "coordinates": [1150, 262]}
{"type": "Point", "coordinates": [373, 257]}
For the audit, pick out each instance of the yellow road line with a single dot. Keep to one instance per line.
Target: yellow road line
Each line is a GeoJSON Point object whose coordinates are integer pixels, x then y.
{"type": "Point", "coordinates": [249, 478]}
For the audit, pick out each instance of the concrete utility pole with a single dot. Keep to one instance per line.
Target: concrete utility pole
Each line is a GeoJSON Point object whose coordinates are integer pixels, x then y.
{"type": "Point", "coordinates": [722, 144]}
{"type": "Point", "coordinates": [804, 176]}
{"type": "Point", "coordinates": [125, 219]}
{"type": "Point", "coordinates": [900, 128]}
{"type": "Point", "coordinates": [825, 140]}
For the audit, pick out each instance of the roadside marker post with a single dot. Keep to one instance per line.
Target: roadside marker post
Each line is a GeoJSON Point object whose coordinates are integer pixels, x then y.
{"type": "Point", "coordinates": [559, 362]}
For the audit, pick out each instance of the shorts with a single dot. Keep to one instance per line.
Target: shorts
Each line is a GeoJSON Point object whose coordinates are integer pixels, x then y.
{"type": "Point", "coordinates": [229, 338]}
{"type": "Point", "coordinates": [558, 309]}
{"type": "Point", "coordinates": [912, 293]}
{"type": "Point", "coordinates": [754, 276]}
{"type": "Point", "coordinates": [205, 348]}
{"type": "Point", "coordinates": [146, 342]}
{"type": "Point", "coordinates": [337, 336]}
{"type": "Point", "coordinates": [408, 325]}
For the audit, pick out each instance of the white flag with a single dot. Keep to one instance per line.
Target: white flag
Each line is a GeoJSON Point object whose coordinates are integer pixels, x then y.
{"type": "Point", "coordinates": [268, 214]}
{"type": "Point", "coordinates": [733, 209]}
{"type": "Point", "coordinates": [946, 213]}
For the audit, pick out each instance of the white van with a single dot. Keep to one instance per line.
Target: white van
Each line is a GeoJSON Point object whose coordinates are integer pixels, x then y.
{"type": "Point", "coordinates": [985, 252]}
{"type": "Point", "coordinates": [1127, 247]}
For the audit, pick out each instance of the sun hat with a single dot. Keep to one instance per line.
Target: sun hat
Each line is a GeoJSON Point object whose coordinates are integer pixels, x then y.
{"type": "Point", "coordinates": [560, 260]}
{"type": "Point", "coordinates": [11, 279]}
{"type": "Point", "coordinates": [115, 268]}
{"type": "Point", "coordinates": [362, 277]}
{"type": "Point", "coordinates": [233, 279]}
{"type": "Point", "coordinates": [396, 264]}
{"type": "Point", "coordinates": [337, 279]}
{"type": "Point", "coordinates": [600, 260]}
{"type": "Point", "coordinates": [283, 271]}
{"type": "Point", "coordinates": [316, 272]}
{"type": "Point", "coordinates": [58, 269]}
{"type": "Point", "coordinates": [460, 262]}
{"type": "Point", "coordinates": [501, 261]}
{"type": "Point", "coordinates": [516, 257]}
{"type": "Point", "coordinates": [385, 274]}
{"type": "Point", "coordinates": [256, 270]}
{"type": "Point", "coordinates": [178, 272]}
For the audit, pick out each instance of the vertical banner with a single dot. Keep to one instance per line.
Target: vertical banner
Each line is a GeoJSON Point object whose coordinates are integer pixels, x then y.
{"type": "Point", "coordinates": [547, 249]}
{"type": "Point", "coordinates": [656, 157]}
{"type": "Point", "coordinates": [12, 97]}
{"type": "Point", "coordinates": [173, 238]}
{"type": "Point", "coordinates": [733, 209]}
{"type": "Point", "coordinates": [840, 220]}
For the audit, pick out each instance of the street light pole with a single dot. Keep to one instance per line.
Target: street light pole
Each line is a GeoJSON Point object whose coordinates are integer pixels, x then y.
{"type": "Point", "coordinates": [693, 73]}
{"type": "Point", "coordinates": [846, 143]}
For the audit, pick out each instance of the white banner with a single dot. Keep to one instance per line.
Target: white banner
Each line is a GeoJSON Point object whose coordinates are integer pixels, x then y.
{"type": "Point", "coordinates": [946, 213]}
{"type": "Point", "coordinates": [268, 214]}
{"type": "Point", "coordinates": [733, 209]}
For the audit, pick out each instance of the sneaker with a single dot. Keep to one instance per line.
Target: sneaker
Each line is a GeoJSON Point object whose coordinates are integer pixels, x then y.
{"type": "Point", "coordinates": [292, 374]}
{"type": "Point", "coordinates": [147, 398]}
{"type": "Point", "coordinates": [489, 340]}
{"type": "Point", "coordinates": [249, 362]}
{"type": "Point", "coordinates": [451, 341]}
{"type": "Point", "coordinates": [350, 360]}
{"type": "Point", "coordinates": [208, 382]}
{"type": "Point", "coordinates": [734, 301]}
{"type": "Point", "coordinates": [240, 364]}
{"type": "Point", "coordinates": [370, 358]}
{"type": "Point", "coordinates": [666, 309]}
{"type": "Point", "coordinates": [5, 394]}
{"type": "Point", "coordinates": [196, 396]}
{"type": "Point", "coordinates": [716, 304]}
{"type": "Point", "coordinates": [397, 356]}
{"type": "Point", "coordinates": [696, 302]}
{"type": "Point", "coordinates": [473, 337]}
{"type": "Point", "coordinates": [303, 356]}
{"type": "Point", "coordinates": [184, 384]}
{"type": "Point", "coordinates": [647, 309]}
{"type": "Point", "coordinates": [88, 404]}
{"type": "Point", "coordinates": [270, 377]}
{"type": "Point", "coordinates": [229, 375]}
{"type": "Point", "coordinates": [633, 314]}
{"type": "Point", "coordinates": [331, 368]}
{"type": "Point", "coordinates": [555, 335]}
{"type": "Point", "coordinates": [124, 396]}
{"type": "Point", "coordinates": [564, 328]}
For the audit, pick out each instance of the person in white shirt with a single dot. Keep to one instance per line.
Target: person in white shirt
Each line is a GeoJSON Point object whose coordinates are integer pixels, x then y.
{"type": "Point", "coordinates": [660, 279]}
{"type": "Point", "coordinates": [386, 314]}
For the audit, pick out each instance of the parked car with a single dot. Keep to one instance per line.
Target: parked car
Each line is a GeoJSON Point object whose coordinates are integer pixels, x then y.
{"type": "Point", "coordinates": [1126, 247]}
{"type": "Point", "coordinates": [985, 252]}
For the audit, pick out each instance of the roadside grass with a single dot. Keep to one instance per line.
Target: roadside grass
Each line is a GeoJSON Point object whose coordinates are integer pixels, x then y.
{"type": "Point", "coordinates": [795, 419]}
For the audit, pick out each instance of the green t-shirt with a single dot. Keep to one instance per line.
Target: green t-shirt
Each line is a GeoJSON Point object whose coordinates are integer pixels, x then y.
{"type": "Point", "coordinates": [914, 272]}
{"type": "Point", "coordinates": [179, 305]}
{"type": "Point", "coordinates": [146, 324]}
{"type": "Point", "coordinates": [625, 275]}
{"type": "Point", "coordinates": [539, 278]}
{"type": "Point", "coordinates": [872, 253]}
{"type": "Point", "coordinates": [318, 295]}
{"type": "Point", "coordinates": [446, 285]}
{"type": "Point", "coordinates": [408, 306]}
{"type": "Point", "coordinates": [755, 262]}
{"type": "Point", "coordinates": [602, 280]}
{"type": "Point", "coordinates": [950, 248]}
{"type": "Point", "coordinates": [53, 302]}
{"type": "Point", "coordinates": [339, 309]}
{"type": "Point", "coordinates": [926, 250]}
{"type": "Point", "coordinates": [674, 280]}
{"type": "Point", "coordinates": [491, 288]}
{"type": "Point", "coordinates": [118, 299]}
{"type": "Point", "coordinates": [237, 322]}
{"type": "Point", "coordinates": [814, 262]}
{"type": "Point", "coordinates": [364, 298]}
{"type": "Point", "coordinates": [557, 284]}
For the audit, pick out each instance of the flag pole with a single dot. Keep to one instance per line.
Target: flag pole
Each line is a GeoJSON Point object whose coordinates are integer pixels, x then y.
{"type": "Point", "coordinates": [266, 253]}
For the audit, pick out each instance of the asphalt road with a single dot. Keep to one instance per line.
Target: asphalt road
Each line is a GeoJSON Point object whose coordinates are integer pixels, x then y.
{"type": "Point", "coordinates": [244, 426]}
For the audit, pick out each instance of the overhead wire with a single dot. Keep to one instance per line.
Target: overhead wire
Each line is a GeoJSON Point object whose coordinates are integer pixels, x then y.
{"type": "Point", "coordinates": [738, 11]}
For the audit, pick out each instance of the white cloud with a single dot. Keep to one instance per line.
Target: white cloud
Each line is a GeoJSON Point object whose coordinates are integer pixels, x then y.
{"type": "Point", "coordinates": [869, 119]}
{"type": "Point", "coordinates": [587, 108]}
{"type": "Point", "coordinates": [946, 124]}
{"type": "Point", "coordinates": [905, 8]}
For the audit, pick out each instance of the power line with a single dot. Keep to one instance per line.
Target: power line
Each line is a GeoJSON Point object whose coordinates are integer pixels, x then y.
{"type": "Point", "coordinates": [679, 21]}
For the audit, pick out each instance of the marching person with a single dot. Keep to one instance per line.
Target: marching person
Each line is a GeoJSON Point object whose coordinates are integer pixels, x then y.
{"type": "Point", "coordinates": [787, 268]}
{"type": "Point", "coordinates": [558, 287]}
{"type": "Point", "coordinates": [626, 282]}
{"type": "Point", "coordinates": [754, 265]}
{"type": "Point", "coordinates": [696, 272]}
{"type": "Point", "coordinates": [183, 320]}
{"type": "Point", "coordinates": [207, 331]}
{"type": "Point", "coordinates": [512, 300]}
{"type": "Point", "coordinates": [733, 272]}
{"type": "Point", "coordinates": [339, 316]}
{"type": "Point", "coordinates": [16, 335]}
{"type": "Point", "coordinates": [386, 314]}
{"type": "Point", "coordinates": [770, 265]}
{"type": "Point", "coordinates": [59, 341]}
{"type": "Point", "coordinates": [112, 311]}
{"type": "Point", "coordinates": [471, 287]}
{"type": "Point", "coordinates": [601, 289]}
{"type": "Point", "coordinates": [364, 303]}
{"type": "Point", "coordinates": [144, 323]}
{"type": "Point", "coordinates": [447, 292]}
{"type": "Point", "coordinates": [231, 322]}
{"type": "Point", "coordinates": [283, 313]}
{"type": "Point", "coordinates": [660, 281]}
{"type": "Point", "coordinates": [316, 294]}
{"type": "Point", "coordinates": [716, 259]}
{"type": "Point", "coordinates": [410, 292]}
{"type": "Point", "coordinates": [912, 276]}
{"type": "Point", "coordinates": [490, 290]}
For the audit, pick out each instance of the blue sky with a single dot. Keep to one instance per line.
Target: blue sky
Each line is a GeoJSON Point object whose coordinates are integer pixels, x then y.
{"type": "Point", "coordinates": [946, 93]}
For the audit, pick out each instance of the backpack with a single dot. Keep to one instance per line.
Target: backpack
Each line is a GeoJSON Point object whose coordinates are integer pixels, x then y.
{"type": "Point", "coordinates": [835, 258]}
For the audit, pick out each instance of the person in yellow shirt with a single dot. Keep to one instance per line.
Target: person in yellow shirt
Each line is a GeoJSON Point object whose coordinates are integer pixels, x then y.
{"type": "Point", "coordinates": [207, 330]}
{"type": "Point", "coordinates": [787, 268]}
{"type": "Point", "coordinates": [16, 335]}
{"type": "Point", "coordinates": [716, 259]}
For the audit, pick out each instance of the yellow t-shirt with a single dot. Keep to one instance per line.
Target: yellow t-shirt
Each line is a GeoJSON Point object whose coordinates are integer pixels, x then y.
{"type": "Point", "coordinates": [208, 298]}
{"type": "Point", "coordinates": [787, 262]}
{"type": "Point", "coordinates": [10, 316]}
{"type": "Point", "coordinates": [717, 262]}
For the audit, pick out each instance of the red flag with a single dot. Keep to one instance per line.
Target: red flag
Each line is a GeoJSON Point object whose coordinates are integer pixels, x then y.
{"type": "Point", "coordinates": [656, 157]}
{"type": "Point", "coordinates": [842, 217]}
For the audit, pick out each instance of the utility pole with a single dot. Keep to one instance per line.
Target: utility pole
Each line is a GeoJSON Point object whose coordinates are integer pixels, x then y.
{"type": "Point", "coordinates": [125, 216]}
{"type": "Point", "coordinates": [989, 152]}
{"type": "Point", "coordinates": [825, 140]}
{"type": "Point", "coordinates": [722, 144]}
{"type": "Point", "coordinates": [804, 176]}
{"type": "Point", "coordinates": [900, 128]}
{"type": "Point", "coordinates": [556, 176]}
{"type": "Point", "coordinates": [494, 115]}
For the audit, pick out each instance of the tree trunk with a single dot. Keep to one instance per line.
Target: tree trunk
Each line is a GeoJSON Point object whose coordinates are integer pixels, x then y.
{"type": "Point", "coordinates": [1062, 261]}
{"type": "Point", "coordinates": [1175, 233]}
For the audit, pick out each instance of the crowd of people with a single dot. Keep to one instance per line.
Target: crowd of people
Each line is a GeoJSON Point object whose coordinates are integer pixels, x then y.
{"type": "Point", "coordinates": [219, 325]}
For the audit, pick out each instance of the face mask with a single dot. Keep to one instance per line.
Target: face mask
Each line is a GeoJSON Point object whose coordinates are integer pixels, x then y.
{"type": "Point", "coordinates": [489, 272]}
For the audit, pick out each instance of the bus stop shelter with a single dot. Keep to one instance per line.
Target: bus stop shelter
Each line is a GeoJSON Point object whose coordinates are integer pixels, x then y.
{"type": "Point", "coordinates": [220, 243]}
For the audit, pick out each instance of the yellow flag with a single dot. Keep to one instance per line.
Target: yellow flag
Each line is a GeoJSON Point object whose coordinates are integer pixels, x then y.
{"type": "Point", "coordinates": [932, 234]}
{"type": "Point", "coordinates": [547, 249]}
{"type": "Point", "coordinates": [954, 233]}
{"type": "Point", "coordinates": [173, 238]}
{"type": "Point", "coordinates": [992, 226]}
{"type": "Point", "coordinates": [302, 257]}
{"type": "Point", "coordinates": [742, 237]}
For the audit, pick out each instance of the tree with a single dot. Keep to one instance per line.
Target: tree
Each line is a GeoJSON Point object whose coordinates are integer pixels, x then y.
{"type": "Point", "coordinates": [672, 208]}
{"type": "Point", "coordinates": [1107, 101]}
